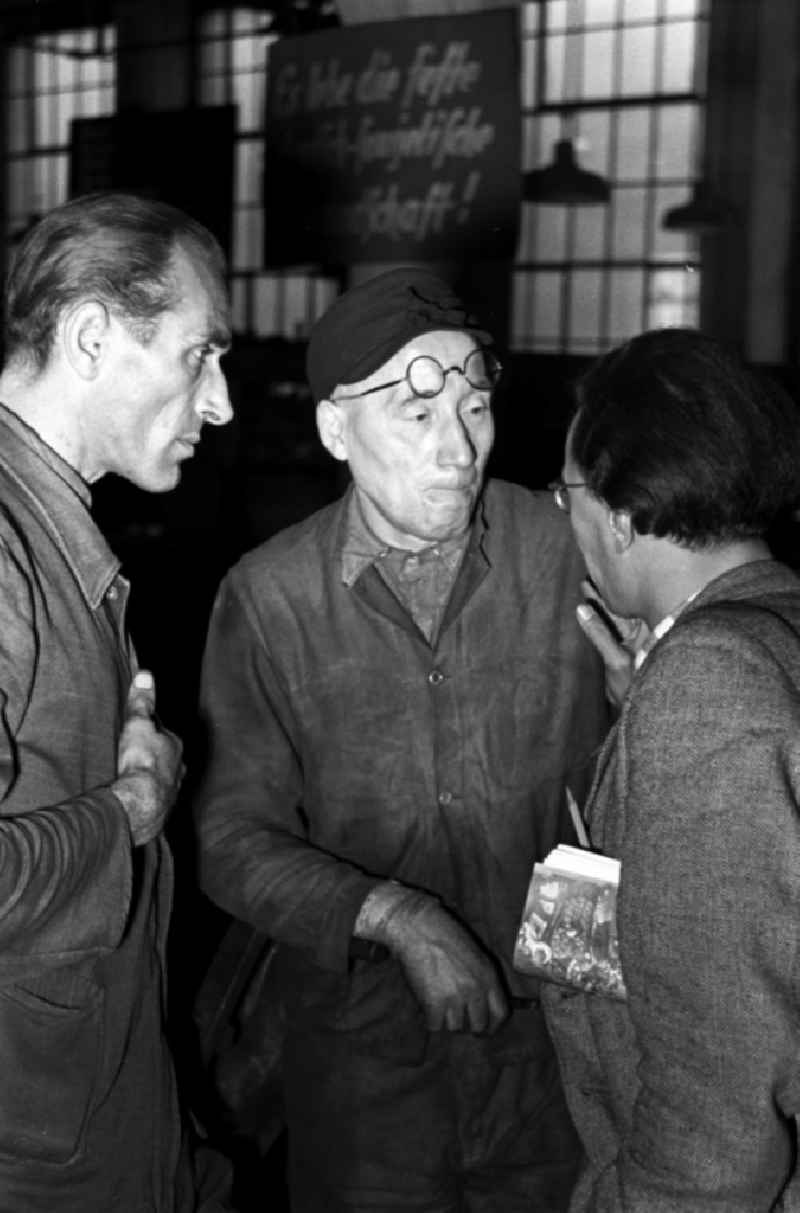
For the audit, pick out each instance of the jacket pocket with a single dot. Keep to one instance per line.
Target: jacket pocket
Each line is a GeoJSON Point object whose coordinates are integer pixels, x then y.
{"type": "Point", "coordinates": [50, 1046]}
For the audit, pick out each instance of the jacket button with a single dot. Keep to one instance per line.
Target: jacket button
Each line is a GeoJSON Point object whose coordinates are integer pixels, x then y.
{"type": "Point", "coordinates": [445, 798]}
{"type": "Point", "coordinates": [435, 678]}
{"type": "Point", "coordinates": [111, 593]}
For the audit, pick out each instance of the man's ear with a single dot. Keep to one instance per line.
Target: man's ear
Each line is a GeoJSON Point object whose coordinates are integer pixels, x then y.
{"type": "Point", "coordinates": [331, 426]}
{"type": "Point", "coordinates": [621, 529]}
{"type": "Point", "coordinates": [85, 329]}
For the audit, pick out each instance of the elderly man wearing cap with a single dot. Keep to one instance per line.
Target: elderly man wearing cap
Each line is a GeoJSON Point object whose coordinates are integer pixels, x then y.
{"type": "Point", "coordinates": [396, 697]}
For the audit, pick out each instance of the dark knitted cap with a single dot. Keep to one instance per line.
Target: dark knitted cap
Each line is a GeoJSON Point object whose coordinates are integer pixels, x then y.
{"type": "Point", "coordinates": [366, 325]}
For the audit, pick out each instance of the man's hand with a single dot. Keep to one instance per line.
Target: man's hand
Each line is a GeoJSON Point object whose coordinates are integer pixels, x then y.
{"type": "Point", "coordinates": [617, 644]}
{"type": "Point", "coordinates": [149, 766]}
{"type": "Point", "coordinates": [454, 979]}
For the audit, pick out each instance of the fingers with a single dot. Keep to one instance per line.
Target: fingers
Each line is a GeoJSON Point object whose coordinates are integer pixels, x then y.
{"type": "Point", "coordinates": [614, 654]}
{"type": "Point", "coordinates": [630, 632]}
{"type": "Point", "coordinates": [142, 695]}
{"type": "Point", "coordinates": [481, 1013]}
{"type": "Point", "coordinates": [484, 1015]}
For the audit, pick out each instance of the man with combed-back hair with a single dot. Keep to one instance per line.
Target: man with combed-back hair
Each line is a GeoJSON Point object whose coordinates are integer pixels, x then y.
{"type": "Point", "coordinates": [115, 320]}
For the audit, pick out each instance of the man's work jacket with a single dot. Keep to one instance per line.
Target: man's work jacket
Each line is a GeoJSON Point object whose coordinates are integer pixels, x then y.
{"type": "Point", "coordinates": [88, 1117]}
{"type": "Point", "coordinates": [344, 749]}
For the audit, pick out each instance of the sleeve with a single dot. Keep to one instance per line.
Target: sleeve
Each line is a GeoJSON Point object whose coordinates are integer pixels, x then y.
{"type": "Point", "coordinates": [709, 922]}
{"type": "Point", "coordinates": [65, 869]}
{"type": "Point", "coordinates": [256, 859]}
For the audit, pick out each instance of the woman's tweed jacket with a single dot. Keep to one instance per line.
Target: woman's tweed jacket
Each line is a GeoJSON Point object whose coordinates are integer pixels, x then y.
{"type": "Point", "coordinates": [686, 1097]}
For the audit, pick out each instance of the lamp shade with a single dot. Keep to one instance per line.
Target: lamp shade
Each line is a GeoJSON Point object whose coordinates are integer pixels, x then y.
{"type": "Point", "coordinates": [702, 213]}
{"type": "Point", "coordinates": [564, 183]}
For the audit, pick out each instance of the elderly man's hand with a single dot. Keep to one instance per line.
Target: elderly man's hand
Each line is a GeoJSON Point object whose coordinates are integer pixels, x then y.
{"type": "Point", "coordinates": [454, 979]}
{"type": "Point", "coordinates": [149, 765]}
{"type": "Point", "coordinates": [617, 644]}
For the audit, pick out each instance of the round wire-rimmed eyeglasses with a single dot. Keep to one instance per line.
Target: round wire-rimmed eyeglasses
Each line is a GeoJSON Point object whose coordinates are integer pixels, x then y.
{"type": "Point", "coordinates": [426, 376]}
{"type": "Point", "coordinates": [560, 490]}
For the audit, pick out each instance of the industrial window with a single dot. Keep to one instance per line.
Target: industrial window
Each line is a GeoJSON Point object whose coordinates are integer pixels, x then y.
{"type": "Point", "coordinates": [624, 81]}
{"type": "Point", "coordinates": [623, 78]}
{"type": "Point", "coordinates": [49, 80]}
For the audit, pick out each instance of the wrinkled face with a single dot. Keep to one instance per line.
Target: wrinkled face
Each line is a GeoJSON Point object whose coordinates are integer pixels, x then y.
{"type": "Point", "coordinates": [162, 393]}
{"type": "Point", "coordinates": [591, 521]}
{"type": "Point", "coordinates": [417, 464]}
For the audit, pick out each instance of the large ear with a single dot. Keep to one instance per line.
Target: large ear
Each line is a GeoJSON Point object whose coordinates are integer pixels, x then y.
{"type": "Point", "coordinates": [332, 428]}
{"type": "Point", "coordinates": [621, 528]}
{"type": "Point", "coordinates": [84, 332]}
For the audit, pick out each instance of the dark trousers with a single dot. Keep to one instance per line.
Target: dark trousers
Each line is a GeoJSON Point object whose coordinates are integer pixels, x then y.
{"type": "Point", "coordinates": [463, 1124]}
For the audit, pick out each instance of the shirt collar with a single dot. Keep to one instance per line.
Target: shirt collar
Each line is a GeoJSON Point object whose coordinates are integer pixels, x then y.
{"type": "Point", "coordinates": [661, 629]}
{"type": "Point", "coordinates": [361, 546]}
{"type": "Point", "coordinates": [63, 502]}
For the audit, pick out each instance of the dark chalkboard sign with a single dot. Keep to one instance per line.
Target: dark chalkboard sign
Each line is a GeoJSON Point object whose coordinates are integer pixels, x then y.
{"type": "Point", "coordinates": [394, 141]}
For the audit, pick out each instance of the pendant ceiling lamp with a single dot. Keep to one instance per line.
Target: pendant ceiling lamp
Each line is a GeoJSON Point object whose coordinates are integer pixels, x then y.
{"type": "Point", "coordinates": [564, 182]}
{"type": "Point", "coordinates": [703, 212]}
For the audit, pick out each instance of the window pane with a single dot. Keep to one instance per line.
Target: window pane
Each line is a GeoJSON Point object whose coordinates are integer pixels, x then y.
{"type": "Point", "coordinates": [249, 164]}
{"type": "Point", "coordinates": [599, 64]}
{"type": "Point", "coordinates": [240, 318]}
{"type": "Point", "coordinates": [48, 113]}
{"type": "Point", "coordinates": [92, 73]}
{"type": "Point", "coordinates": [17, 63]}
{"type": "Point", "coordinates": [574, 66]}
{"type": "Point", "coordinates": [267, 312]}
{"type": "Point", "coordinates": [527, 233]}
{"type": "Point", "coordinates": [585, 304]}
{"type": "Point", "coordinates": [247, 53]}
{"type": "Point", "coordinates": [638, 74]}
{"type": "Point", "coordinates": [676, 131]}
{"type": "Point", "coordinates": [529, 52]}
{"type": "Point", "coordinates": [213, 56]}
{"type": "Point", "coordinates": [296, 305]}
{"type": "Point", "coordinates": [556, 14]}
{"type": "Point", "coordinates": [61, 72]}
{"type": "Point", "coordinates": [626, 304]}
{"type": "Point", "coordinates": [589, 233]}
{"type": "Point", "coordinates": [628, 240]}
{"type": "Point", "coordinates": [684, 8]}
{"type": "Point", "coordinates": [592, 143]}
{"type": "Point", "coordinates": [214, 90]}
{"type": "Point", "coordinates": [550, 240]}
{"type": "Point", "coordinates": [554, 82]}
{"type": "Point", "coordinates": [530, 16]}
{"type": "Point", "coordinates": [58, 179]}
{"type": "Point", "coordinates": [599, 12]}
{"type": "Point", "coordinates": [550, 130]}
{"type": "Point", "coordinates": [637, 11]}
{"type": "Point", "coordinates": [679, 41]}
{"type": "Point", "coordinates": [17, 190]}
{"type": "Point", "coordinates": [530, 142]}
{"type": "Point", "coordinates": [673, 298]}
{"type": "Point", "coordinates": [247, 238]}
{"type": "Point", "coordinates": [248, 20]}
{"type": "Point", "coordinates": [248, 94]}
{"type": "Point", "coordinates": [18, 117]}
{"type": "Point", "coordinates": [214, 24]}
{"type": "Point", "coordinates": [633, 145]}
{"type": "Point", "coordinates": [546, 320]}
